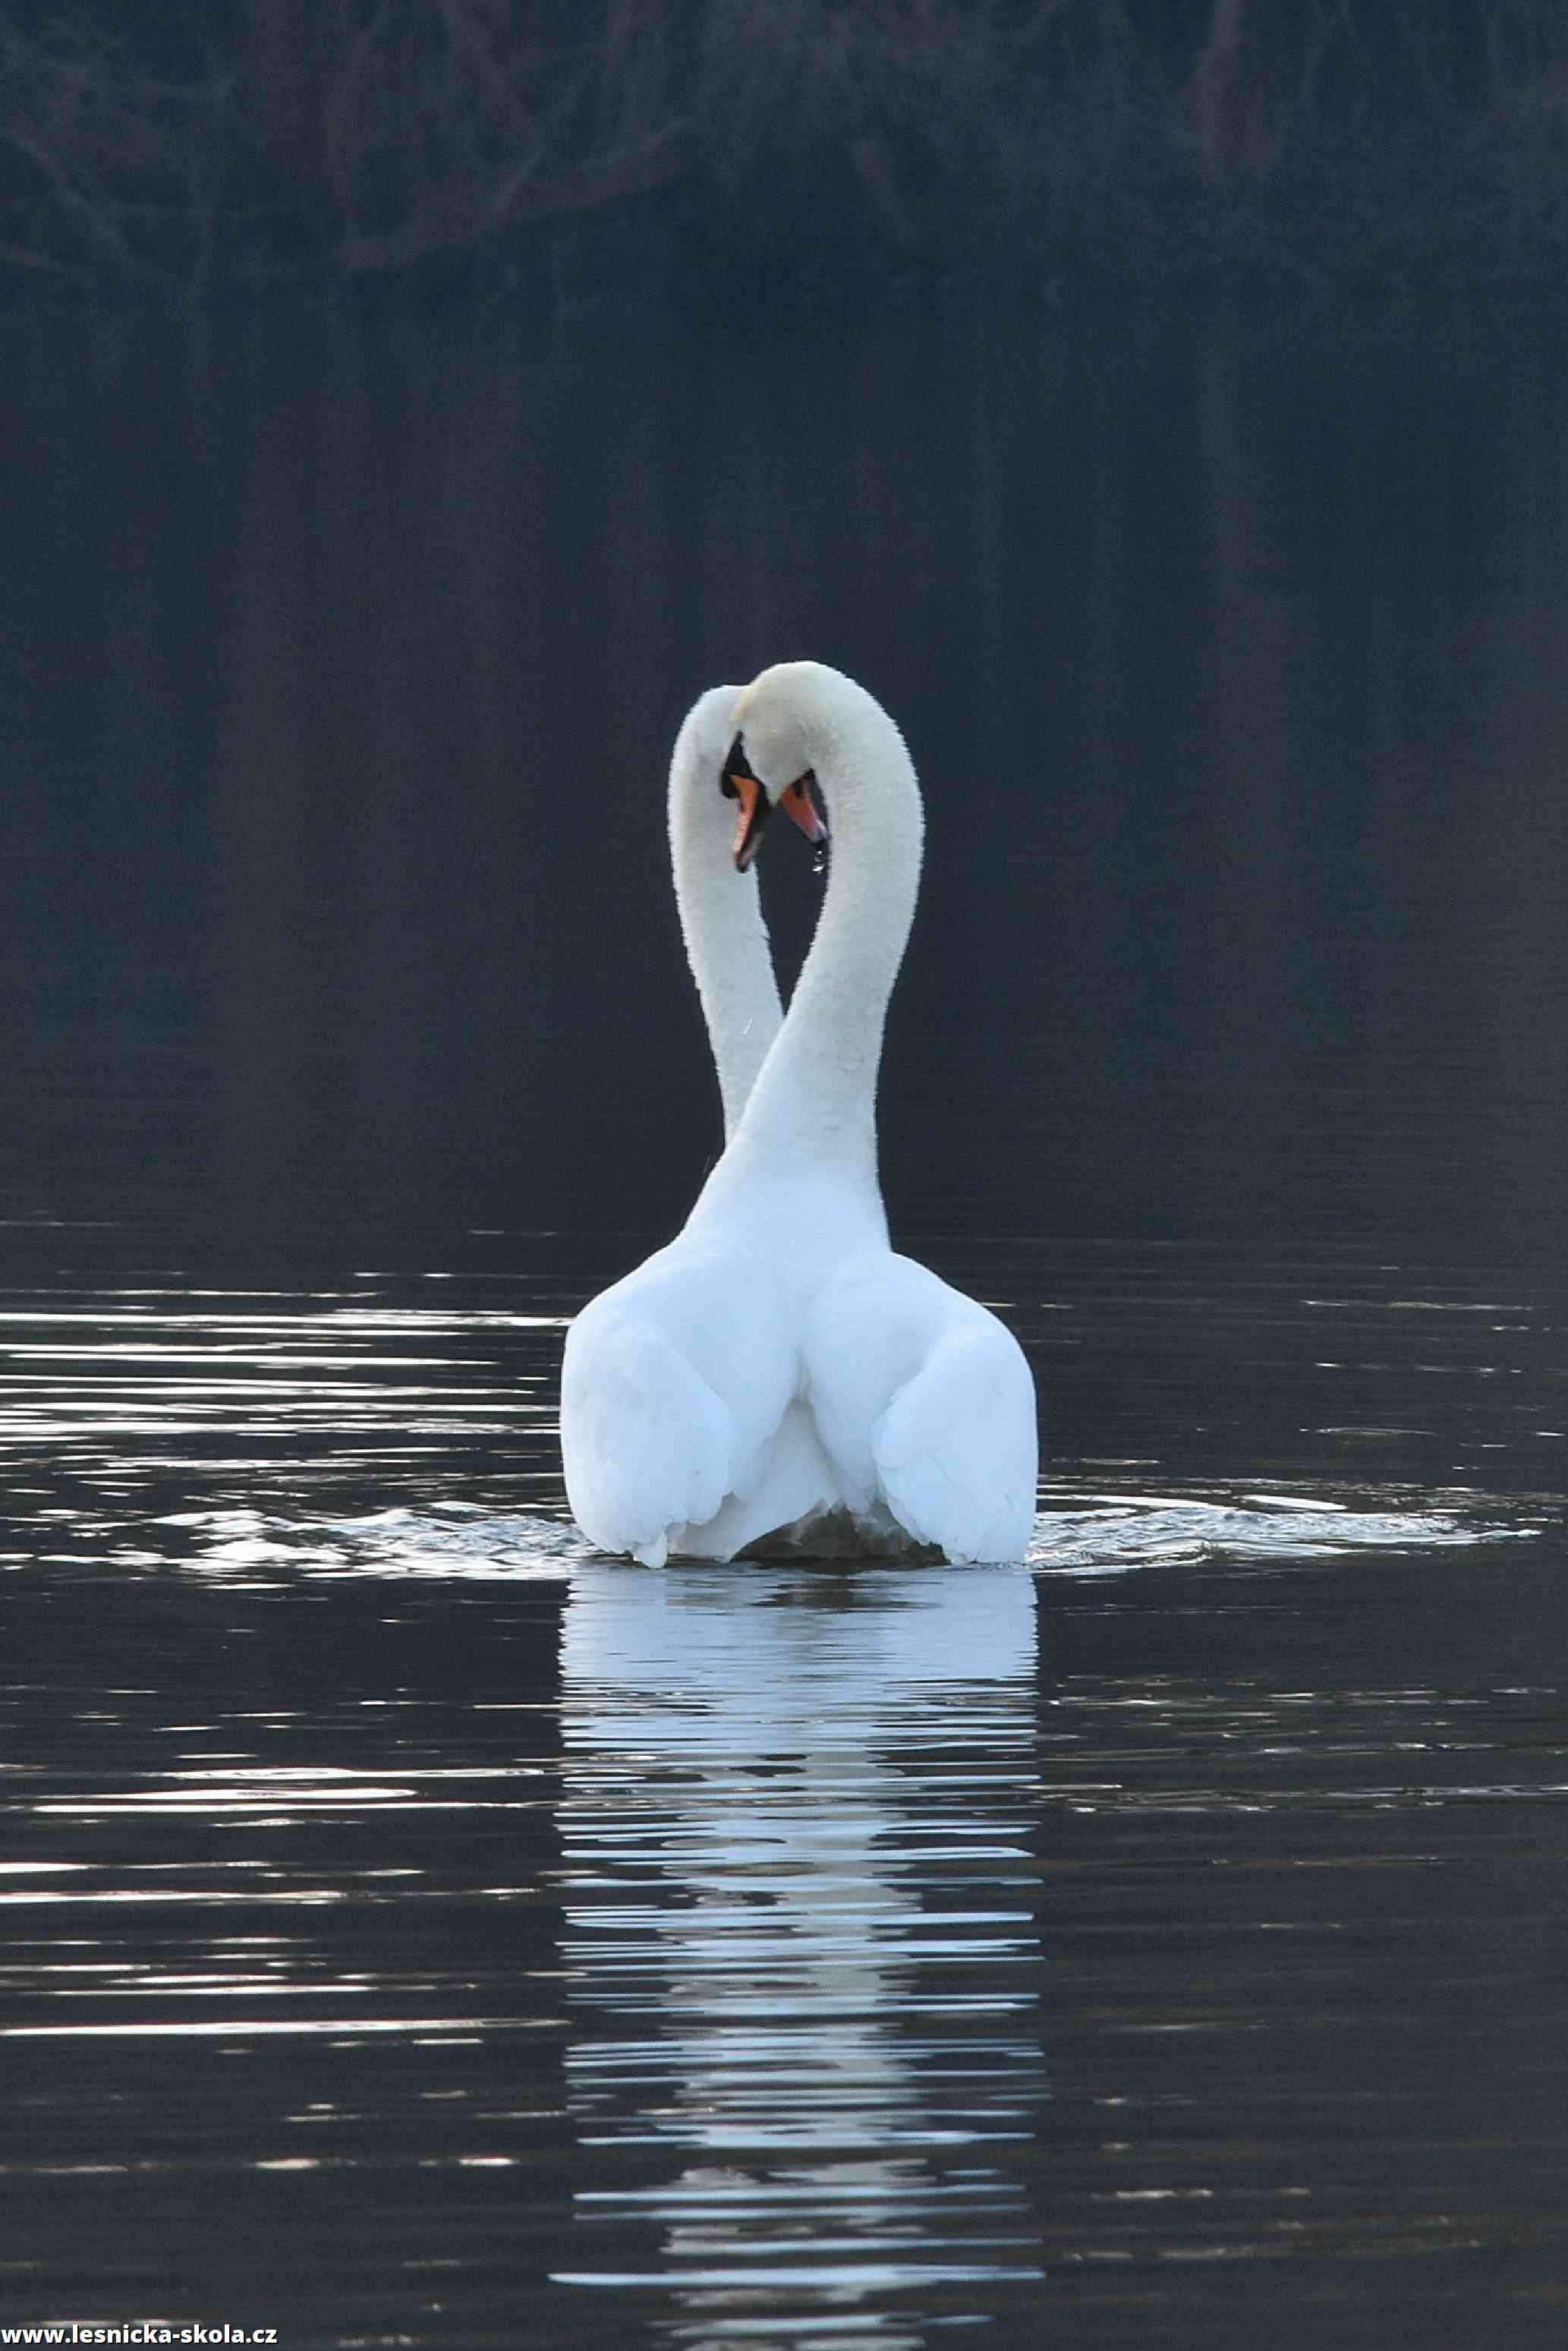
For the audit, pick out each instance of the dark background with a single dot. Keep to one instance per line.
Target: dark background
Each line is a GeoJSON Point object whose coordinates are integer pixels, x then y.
{"type": "Point", "coordinates": [543, 151]}
{"type": "Point", "coordinates": [340, 661]}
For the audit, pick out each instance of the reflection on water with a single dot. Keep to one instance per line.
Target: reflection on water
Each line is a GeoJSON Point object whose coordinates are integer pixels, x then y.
{"type": "Point", "coordinates": [800, 1939]}
{"type": "Point", "coordinates": [411, 1921]}
{"type": "Point", "coordinates": [121, 1405]}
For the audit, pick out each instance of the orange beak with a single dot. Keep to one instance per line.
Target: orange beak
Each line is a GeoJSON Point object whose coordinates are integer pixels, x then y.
{"type": "Point", "coordinates": [753, 816]}
{"type": "Point", "coordinates": [737, 783]}
{"type": "Point", "coordinates": [798, 803]}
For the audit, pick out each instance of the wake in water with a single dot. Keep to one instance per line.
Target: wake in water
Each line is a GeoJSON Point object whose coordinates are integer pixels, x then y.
{"type": "Point", "coordinates": [1100, 1534]}
{"type": "Point", "coordinates": [1111, 1535]}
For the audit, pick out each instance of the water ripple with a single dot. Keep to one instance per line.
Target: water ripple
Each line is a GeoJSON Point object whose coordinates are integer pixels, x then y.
{"type": "Point", "coordinates": [775, 1954]}
{"type": "Point", "coordinates": [1088, 1534]}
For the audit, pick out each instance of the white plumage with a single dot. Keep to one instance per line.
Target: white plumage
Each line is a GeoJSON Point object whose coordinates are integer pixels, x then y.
{"type": "Point", "coordinates": [778, 1371]}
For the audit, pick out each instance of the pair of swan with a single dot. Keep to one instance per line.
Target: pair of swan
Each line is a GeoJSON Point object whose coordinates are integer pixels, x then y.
{"type": "Point", "coordinates": [778, 1371]}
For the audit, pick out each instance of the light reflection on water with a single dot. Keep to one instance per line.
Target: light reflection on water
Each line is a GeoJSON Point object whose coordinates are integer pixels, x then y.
{"type": "Point", "coordinates": [412, 1919]}
{"type": "Point", "coordinates": [798, 1900]}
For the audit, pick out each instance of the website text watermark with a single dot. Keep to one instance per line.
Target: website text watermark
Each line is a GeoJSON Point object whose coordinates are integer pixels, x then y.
{"type": "Point", "coordinates": [140, 2331]}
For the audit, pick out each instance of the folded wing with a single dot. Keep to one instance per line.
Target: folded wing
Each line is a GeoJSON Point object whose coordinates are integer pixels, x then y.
{"type": "Point", "coordinates": [926, 1402]}
{"type": "Point", "coordinates": [647, 1443]}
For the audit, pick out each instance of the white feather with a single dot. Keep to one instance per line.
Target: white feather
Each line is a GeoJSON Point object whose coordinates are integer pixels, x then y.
{"type": "Point", "coordinates": [778, 1372]}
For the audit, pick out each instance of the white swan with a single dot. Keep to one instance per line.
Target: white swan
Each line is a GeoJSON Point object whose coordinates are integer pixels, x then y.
{"type": "Point", "coordinates": [778, 1371]}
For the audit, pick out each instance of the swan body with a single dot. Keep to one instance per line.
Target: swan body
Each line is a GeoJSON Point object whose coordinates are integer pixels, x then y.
{"type": "Point", "coordinates": [778, 1371]}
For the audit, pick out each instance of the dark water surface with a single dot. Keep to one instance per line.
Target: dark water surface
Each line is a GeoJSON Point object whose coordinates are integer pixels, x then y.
{"type": "Point", "coordinates": [416, 1929]}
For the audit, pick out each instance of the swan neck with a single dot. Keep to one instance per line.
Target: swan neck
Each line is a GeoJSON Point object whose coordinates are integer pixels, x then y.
{"type": "Point", "coordinates": [725, 937]}
{"type": "Point", "coordinates": [815, 1098]}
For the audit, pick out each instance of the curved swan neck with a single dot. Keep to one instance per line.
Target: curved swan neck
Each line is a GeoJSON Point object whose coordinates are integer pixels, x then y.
{"type": "Point", "coordinates": [721, 916]}
{"type": "Point", "coordinates": [816, 1099]}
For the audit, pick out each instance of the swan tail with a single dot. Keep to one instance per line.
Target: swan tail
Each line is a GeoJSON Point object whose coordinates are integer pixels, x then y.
{"type": "Point", "coordinates": [794, 1486]}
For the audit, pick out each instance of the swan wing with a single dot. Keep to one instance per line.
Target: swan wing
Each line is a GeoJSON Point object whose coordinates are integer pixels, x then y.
{"type": "Point", "coordinates": [647, 1443]}
{"type": "Point", "coordinates": [927, 1404]}
{"type": "Point", "coordinates": [957, 1448]}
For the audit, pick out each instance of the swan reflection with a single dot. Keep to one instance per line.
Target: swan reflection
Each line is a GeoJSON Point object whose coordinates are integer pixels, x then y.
{"type": "Point", "coordinates": [800, 1943]}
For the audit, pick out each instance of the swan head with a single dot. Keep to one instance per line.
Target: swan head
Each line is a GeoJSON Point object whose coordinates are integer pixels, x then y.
{"type": "Point", "coordinates": [707, 732]}
{"type": "Point", "coordinates": [738, 781]}
{"type": "Point", "coordinates": [770, 763]}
